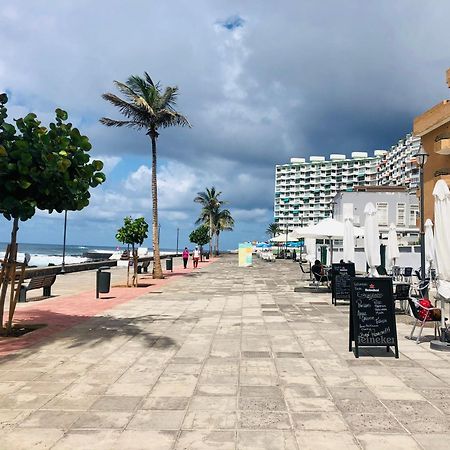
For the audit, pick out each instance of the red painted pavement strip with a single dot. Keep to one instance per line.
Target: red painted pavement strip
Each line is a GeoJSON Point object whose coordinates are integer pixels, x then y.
{"type": "Point", "coordinates": [62, 313]}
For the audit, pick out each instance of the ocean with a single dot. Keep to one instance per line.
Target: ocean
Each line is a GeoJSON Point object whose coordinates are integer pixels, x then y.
{"type": "Point", "coordinates": [44, 254]}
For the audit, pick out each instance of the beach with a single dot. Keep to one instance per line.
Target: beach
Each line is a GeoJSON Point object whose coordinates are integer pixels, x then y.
{"type": "Point", "coordinates": [222, 357]}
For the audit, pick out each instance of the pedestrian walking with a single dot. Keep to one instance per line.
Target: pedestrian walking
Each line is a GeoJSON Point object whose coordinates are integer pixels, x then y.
{"type": "Point", "coordinates": [196, 257]}
{"type": "Point", "coordinates": [185, 257]}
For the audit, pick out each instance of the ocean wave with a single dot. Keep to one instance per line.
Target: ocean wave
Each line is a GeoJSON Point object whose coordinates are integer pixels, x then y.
{"type": "Point", "coordinates": [41, 260]}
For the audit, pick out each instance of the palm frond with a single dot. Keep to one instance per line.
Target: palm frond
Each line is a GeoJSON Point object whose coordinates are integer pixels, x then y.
{"type": "Point", "coordinates": [130, 110]}
{"type": "Point", "coordinates": [119, 123]}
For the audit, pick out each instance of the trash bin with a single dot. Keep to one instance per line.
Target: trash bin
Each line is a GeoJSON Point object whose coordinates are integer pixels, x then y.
{"type": "Point", "coordinates": [169, 264]}
{"type": "Point", "coordinates": [103, 281]}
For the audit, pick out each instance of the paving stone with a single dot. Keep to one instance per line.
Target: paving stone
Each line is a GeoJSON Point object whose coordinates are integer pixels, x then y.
{"type": "Point", "coordinates": [255, 354]}
{"type": "Point", "coordinates": [169, 403]}
{"type": "Point", "coordinates": [373, 423]}
{"type": "Point", "coordinates": [145, 440]}
{"type": "Point", "coordinates": [103, 419]}
{"type": "Point", "coordinates": [116, 403]}
{"type": "Point", "coordinates": [89, 439]}
{"type": "Point", "coordinates": [157, 420]}
{"type": "Point", "coordinates": [326, 440]}
{"type": "Point", "coordinates": [261, 404]}
{"type": "Point", "coordinates": [381, 441]}
{"type": "Point", "coordinates": [261, 391]}
{"type": "Point", "coordinates": [214, 403]}
{"type": "Point", "coordinates": [206, 440]}
{"type": "Point", "coordinates": [209, 420]}
{"type": "Point", "coordinates": [23, 439]}
{"type": "Point", "coordinates": [318, 421]}
{"type": "Point", "coordinates": [266, 440]}
{"type": "Point", "coordinates": [51, 419]}
{"type": "Point", "coordinates": [289, 355]}
{"type": "Point", "coordinates": [264, 420]}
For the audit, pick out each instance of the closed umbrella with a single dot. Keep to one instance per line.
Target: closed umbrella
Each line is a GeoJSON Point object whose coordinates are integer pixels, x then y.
{"type": "Point", "coordinates": [429, 244]}
{"type": "Point", "coordinates": [349, 240]}
{"type": "Point", "coordinates": [371, 239]}
{"type": "Point", "coordinates": [310, 244]}
{"type": "Point", "coordinates": [441, 194]}
{"type": "Point", "coordinates": [392, 246]}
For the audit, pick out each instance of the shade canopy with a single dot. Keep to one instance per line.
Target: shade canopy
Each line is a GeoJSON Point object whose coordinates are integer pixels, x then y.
{"type": "Point", "coordinates": [441, 194]}
{"type": "Point", "coordinates": [326, 228]}
{"type": "Point", "coordinates": [392, 245]}
{"type": "Point", "coordinates": [282, 238]}
{"type": "Point", "coordinates": [371, 239]}
{"type": "Point", "coordinates": [429, 243]}
{"type": "Point", "coordinates": [349, 240]}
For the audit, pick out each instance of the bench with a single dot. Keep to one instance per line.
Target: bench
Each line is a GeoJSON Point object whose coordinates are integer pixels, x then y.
{"type": "Point", "coordinates": [143, 267]}
{"type": "Point", "coordinates": [45, 282]}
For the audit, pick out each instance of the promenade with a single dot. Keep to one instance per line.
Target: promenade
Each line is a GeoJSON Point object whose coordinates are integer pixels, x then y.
{"type": "Point", "coordinates": [222, 358]}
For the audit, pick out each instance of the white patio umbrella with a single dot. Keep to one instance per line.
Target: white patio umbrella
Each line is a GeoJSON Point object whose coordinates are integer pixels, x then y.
{"type": "Point", "coordinates": [441, 194]}
{"type": "Point", "coordinates": [349, 240]}
{"type": "Point", "coordinates": [429, 244]}
{"type": "Point", "coordinates": [310, 244]}
{"type": "Point", "coordinates": [392, 245]}
{"type": "Point", "coordinates": [371, 239]}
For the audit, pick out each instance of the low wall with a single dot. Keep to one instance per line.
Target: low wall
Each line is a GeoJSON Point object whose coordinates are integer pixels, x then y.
{"type": "Point", "coordinates": [79, 267]}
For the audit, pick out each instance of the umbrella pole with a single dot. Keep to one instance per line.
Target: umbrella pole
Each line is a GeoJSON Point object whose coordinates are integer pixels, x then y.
{"type": "Point", "coordinates": [331, 250]}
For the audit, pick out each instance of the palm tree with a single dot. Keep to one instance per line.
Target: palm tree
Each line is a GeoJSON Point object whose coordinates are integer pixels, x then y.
{"type": "Point", "coordinates": [223, 221]}
{"type": "Point", "coordinates": [209, 199]}
{"type": "Point", "coordinates": [273, 229]}
{"type": "Point", "coordinates": [146, 106]}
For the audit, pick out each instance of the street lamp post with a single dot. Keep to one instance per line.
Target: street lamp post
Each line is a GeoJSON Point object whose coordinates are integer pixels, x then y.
{"type": "Point", "coordinates": [421, 158]}
{"type": "Point", "coordinates": [178, 235]}
{"type": "Point", "coordinates": [285, 248]}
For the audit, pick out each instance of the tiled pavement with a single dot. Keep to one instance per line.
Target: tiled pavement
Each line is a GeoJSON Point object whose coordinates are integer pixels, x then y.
{"type": "Point", "coordinates": [225, 358]}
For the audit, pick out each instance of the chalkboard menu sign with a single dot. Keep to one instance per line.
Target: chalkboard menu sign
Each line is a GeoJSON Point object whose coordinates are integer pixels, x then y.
{"type": "Point", "coordinates": [372, 314]}
{"type": "Point", "coordinates": [341, 275]}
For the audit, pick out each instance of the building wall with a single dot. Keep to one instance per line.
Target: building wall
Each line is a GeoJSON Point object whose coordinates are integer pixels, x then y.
{"type": "Point", "coordinates": [305, 190]}
{"type": "Point", "coordinates": [395, 201]}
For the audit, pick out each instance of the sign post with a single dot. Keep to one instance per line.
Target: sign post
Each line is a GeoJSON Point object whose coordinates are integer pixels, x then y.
{"type": "Point", "coordinates": [372, 314]}
{"type": "Point", "coordinates": [341, 275]}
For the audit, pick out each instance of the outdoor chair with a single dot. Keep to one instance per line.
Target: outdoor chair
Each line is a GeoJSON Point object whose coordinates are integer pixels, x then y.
{"type": "Point", "coordinates": [401, 294]}
{"type": "Point", "coordinates": [307, 272]}
{"type": "Point", "coordinates": [381, 271]}
{"type": "Point", "coordinates": [415, 307]}
{"type": "Point", "coordinates": [320, 279]}
{"type": "Point", "coordinates": [407, 274]}
{"type": "Point", "coordinates": [396, 273]}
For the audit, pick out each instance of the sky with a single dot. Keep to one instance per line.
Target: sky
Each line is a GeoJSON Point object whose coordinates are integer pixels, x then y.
{"type": "Point", "coordinates": [260, 82]}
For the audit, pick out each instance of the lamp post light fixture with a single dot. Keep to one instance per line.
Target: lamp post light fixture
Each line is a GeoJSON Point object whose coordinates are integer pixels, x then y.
{"type": "Point", "coordinates": [421, 158]}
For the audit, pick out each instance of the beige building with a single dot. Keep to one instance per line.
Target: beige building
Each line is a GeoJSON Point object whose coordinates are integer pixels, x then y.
{"type": "Point", "coordinates": [433, 127]}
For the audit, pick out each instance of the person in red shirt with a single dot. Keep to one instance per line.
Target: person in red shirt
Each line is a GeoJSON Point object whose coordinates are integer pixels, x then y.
{"type": "Point", "coordinates": [185, 257]}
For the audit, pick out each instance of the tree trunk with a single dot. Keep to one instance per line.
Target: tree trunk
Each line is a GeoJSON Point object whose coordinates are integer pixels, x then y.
{"type": "Point", "coordinates": [210, 234]}
{"type": "Point", "coordinates": [135, 264]}
{"type": "Point", "coordinates": [157, 270]}
{"type": "Point", "coordinates": [217, 243]}
{"type": "Point", "coordinates": [7, 272]}
{"type": "Point", "coordinates": [128, 265]}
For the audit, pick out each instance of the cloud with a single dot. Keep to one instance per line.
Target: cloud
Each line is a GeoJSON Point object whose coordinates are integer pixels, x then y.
{"type": "Point", "coordinates": [308, 78]}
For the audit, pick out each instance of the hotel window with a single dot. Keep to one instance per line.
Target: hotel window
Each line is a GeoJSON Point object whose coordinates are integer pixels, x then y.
{"type": "Point", "coordinates": [401, 210]}
{"type": "Point", "coordinates": [382, 213]}
{"type": "Point", "coordinates": [413, 215]}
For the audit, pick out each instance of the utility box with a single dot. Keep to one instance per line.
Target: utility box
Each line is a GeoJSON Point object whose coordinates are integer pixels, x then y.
{"type": "Point", "coordinates": [103, 284]}
{"type": "Point", "coordinates": [169, 264]}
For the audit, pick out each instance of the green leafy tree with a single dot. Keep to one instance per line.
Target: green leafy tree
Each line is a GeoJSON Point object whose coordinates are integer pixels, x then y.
{"type": "Point", "coordinates": [146, 106]}
{"type": "Point", "coordinates": [133, 232]}
{"type": "Point", "coordinates": [200, 236]}
{"type": "Point", "coordinates": [223, 221]}
{"type": "Point", "coordinates": [40, 168]}
{"type": "Point", "coordinates": [209, 199]}
{"type": "Point", "coordinates": [273, 230]}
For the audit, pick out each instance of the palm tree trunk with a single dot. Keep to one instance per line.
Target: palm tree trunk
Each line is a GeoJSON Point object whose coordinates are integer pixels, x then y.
{"type": "Point", "coordinates": [210, 234]}
{"type": "Point", "coordinates": [157, 270]}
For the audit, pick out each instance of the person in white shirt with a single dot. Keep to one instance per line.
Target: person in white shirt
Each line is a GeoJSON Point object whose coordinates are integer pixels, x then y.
{"type": "Point", "coordinates": [196, 257]}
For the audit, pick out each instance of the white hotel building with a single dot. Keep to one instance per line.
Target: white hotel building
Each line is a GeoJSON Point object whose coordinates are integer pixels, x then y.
{"type": "Point", "coordinates": [305, 190]}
